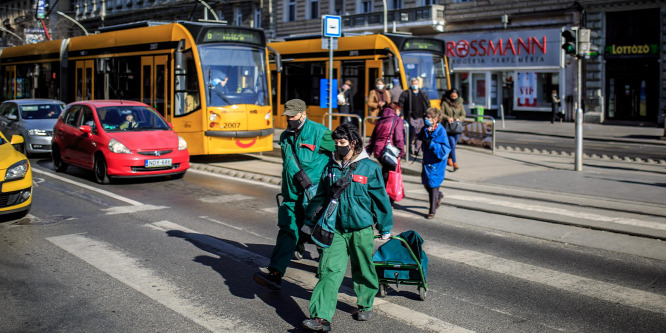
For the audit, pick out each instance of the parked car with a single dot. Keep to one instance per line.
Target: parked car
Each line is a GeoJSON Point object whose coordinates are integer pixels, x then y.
{"type": "Point", "coordinates": [117, 139]}
{"type": "Point", "coordinates": [15, 178]}
{"type": "Point", "coordinates": [33, 119]}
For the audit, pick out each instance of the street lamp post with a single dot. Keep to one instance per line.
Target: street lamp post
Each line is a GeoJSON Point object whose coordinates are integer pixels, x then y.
{"type": "Point", "coordinates": [73, 20]}
{"type": "Point", "coordinates": [385, 17]}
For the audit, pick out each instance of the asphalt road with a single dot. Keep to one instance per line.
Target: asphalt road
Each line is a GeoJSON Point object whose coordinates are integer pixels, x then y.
{"type": "Point", "coordinates": [163, 255]}
{"type": "Point", "coordinates": [560, 144]}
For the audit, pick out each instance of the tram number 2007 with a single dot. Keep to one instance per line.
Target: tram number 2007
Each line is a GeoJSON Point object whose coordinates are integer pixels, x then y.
{"type": "Point", "coordinates": [230, 125]}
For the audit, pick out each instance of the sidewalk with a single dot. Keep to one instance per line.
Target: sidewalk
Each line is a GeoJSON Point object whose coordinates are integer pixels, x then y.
{"type": "Point", "coordinates": [619, 133]}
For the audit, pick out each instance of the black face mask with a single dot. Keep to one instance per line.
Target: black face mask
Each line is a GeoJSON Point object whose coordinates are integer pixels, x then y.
{"type": "Point", "coordinates": [294, 124]}
{"type": "Point", "coordinates": [342, 151]}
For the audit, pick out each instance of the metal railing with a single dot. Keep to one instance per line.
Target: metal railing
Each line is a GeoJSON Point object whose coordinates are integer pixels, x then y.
{"type": "Point", "coordinates": [492, 139]}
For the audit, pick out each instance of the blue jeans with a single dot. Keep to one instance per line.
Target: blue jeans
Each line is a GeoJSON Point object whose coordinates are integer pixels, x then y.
{"type": "Point", "coordinates": [453, 139]}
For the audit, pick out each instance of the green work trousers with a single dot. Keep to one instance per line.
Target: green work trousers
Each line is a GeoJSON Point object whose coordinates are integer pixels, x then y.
{"type": "Point", "coordinates": [357, 245]}
{"type": "Point", "coordinates": [290, 222]}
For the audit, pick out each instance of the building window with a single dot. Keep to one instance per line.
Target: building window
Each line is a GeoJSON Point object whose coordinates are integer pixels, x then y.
{"type": "Point", "coordinates": [429, 2]}
{"type": "Point", "coordinates": [257, 17]}
{"type": "Point", "coordinates": [290, 12]}
{"type": "Point", "coordinates": [366, 6]}
{"type": "Point", "coordinates": [459, 1]}
{"type": "Point", "coordinates": [396, 4]}
{"type": "Point", "coordinates": [238, 16]}
{"type": "Point", "coordinates": [314, 9]}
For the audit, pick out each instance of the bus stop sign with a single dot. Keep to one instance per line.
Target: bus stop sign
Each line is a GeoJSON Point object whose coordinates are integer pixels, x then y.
{"type": "Point", "coordinates": [332, 26]}
{"type": "Point", "coordinates": [323, 93]}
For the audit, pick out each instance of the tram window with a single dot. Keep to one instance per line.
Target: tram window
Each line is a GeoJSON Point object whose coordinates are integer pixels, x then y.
{"type": "Point", "coordinates": [301, 80]}
{"type": "Point", "coordinates": [128, 78]}
{"type": "Point", "coordinates": [233, 75]}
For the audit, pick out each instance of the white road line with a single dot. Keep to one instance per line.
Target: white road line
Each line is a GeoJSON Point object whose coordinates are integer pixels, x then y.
{"type": "Point", "coordinates": [129, 271]}
{"type": "Point", "coordinates": [232, 226]}
{"type": "Point", "coordinates": [561, 211]}
{"type": "Point", "coordinates": [88, 187]}
{"type": "Point", "coordinates": [568, 282]}
{"type": "Point", "coordinates": [224, 198]}
{"type": "Point", "coordinates": [131, 209]}
{"type": "Point", "coordinates": [213, 174]}
{"type": "Point", "coordinates": [308, 281]}
{"type": "Point", "coordinates": [270, 210]}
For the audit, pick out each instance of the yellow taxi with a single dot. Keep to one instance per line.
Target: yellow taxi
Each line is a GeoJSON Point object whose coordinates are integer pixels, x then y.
{"type": "Point", "coordinates": [15, 178]}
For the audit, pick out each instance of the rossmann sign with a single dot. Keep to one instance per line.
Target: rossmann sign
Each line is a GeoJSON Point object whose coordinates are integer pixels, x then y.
{"type": "Point", "coordinates": [532, 49]}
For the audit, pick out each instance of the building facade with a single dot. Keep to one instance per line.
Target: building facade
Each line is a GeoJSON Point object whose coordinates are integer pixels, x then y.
{"type": "Point", "coordinates": [505, 54]}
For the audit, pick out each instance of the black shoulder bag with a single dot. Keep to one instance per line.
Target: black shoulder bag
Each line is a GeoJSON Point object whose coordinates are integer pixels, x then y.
{"type": "Point", "coordinates": [301, 177]}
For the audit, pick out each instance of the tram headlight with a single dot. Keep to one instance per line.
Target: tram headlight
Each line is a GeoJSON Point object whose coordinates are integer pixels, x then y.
{"type": "Point", "coordinates": [268, 115]}
{"type": "Point", "coordinates": [116, 147]}
{"type": "Point", "coordinates": [182, 144]}
{"type": "Point", "coordinates": [213, 116]}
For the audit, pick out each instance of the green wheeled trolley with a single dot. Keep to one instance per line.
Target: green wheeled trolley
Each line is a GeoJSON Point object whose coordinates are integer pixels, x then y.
{"type": "Point", "coordinates": [401, 260]}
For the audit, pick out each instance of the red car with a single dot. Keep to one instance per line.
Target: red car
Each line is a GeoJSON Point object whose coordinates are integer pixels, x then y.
{"type": "Point", "coordinates": [117, 139]}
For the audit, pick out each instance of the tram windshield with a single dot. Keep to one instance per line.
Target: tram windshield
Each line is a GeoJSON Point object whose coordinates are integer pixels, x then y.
{"type": "Point", "coordinates": [234, 74]}
{"type": "Point", "coordinates": [429, 69]}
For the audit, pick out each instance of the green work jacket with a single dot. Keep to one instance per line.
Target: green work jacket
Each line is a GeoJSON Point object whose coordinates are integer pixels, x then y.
{"type": "Point", "coordinates": [314, 145]}
{"type": "Point", "coordinates": [363, 203]}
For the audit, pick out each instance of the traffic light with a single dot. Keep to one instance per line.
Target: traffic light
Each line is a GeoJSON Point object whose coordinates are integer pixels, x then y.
{"type": "Point", "coordinates": [570, 41]}
{"type": "Point", "coordinates": [42, 7]}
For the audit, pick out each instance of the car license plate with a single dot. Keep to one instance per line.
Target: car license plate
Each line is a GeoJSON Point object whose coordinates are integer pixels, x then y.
{"type": "Point", "coordinates": [158, 163]}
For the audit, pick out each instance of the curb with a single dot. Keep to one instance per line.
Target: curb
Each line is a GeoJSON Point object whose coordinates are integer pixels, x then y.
{"type": "Point", "coordinates": [587, 156]}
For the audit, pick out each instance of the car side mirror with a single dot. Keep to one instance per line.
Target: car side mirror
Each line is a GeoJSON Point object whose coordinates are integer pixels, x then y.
{"type": "Point", "coordinates": [17, 139]}
{"type": "Point", "coordinates": [12, 117]}
{"type": "Point", "coordinates": [170, 125]}
{"type": "Point", "coordinates": [86, 129]}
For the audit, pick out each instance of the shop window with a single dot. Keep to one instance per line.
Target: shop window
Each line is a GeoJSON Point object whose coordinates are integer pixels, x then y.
{"type": "Point", "coordinates": [533, 90]}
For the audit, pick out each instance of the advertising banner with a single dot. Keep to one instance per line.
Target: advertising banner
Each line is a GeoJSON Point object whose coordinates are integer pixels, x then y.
{"type": "Point", "coordinates": [504, 50]}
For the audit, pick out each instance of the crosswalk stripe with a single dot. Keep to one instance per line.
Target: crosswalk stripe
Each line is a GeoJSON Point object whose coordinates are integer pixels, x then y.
{"type": "Point", "coordinates": [568, 282]}
{"type": "Point", "coordinates": [224, 198]}
{"type": "Point", "coordinates": [308, 281]}
{"type": "Point", "coordinates": [130, 209]}
{"type": "Point", "coordinates": [129, 271]}
{"type": "Point", "coordinates": [560, 211]}
{"type": "Point", "coordinates": [88, 187]}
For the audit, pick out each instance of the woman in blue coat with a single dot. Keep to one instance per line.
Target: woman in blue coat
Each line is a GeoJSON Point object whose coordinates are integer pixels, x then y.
{"type": "Point", "coordinates": [436, 149]}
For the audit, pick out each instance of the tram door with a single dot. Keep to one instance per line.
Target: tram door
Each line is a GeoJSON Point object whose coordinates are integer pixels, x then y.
{"type": "Point", "coordinates": [155, 79]}
{"type": "Point", "coordinates": [9, 83]}
{"type": "Point", "coordinates": [373, 70]}
{"type": "Point", "coordinates": [84, 80]}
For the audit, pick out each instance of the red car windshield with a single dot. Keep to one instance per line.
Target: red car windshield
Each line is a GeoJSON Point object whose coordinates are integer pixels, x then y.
{"type": "Point", "coordinates": [130, 118]}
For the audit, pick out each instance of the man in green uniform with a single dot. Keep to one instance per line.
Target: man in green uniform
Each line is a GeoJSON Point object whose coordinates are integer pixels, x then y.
{"type": "Point", "coordinates": [357, 183]}
{"type": "Point", "coordinates": [313, 145]}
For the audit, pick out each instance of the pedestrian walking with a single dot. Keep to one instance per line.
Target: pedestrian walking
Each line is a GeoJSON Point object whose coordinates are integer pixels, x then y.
{"type": "Point", "coordinates": [396, 90]}
{"type": "Point", "coordinates": [435, 151]}
{"type": "Point", "coordinates": [355, 181]}
{"type": "Point", "coordinates": [388, 128]}
{"type": "Point", "coordinates": [555, 107]}
{"type": "Point", "coordinates": [346, 102]}
{"type": "Point", "coordinates": [378, 99]}
{"type": "Point", "coordinates": [307, 147]}
{"type": "Point", "coordinates": [452, 111]}
{"type": "Point", "coordinates": [414, 102]}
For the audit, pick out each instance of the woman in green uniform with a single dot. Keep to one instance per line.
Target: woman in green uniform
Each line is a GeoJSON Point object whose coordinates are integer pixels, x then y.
{"type": "Point", "coordinates": [357, 183]}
